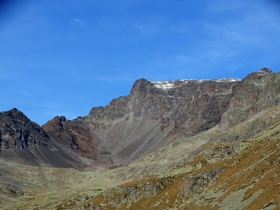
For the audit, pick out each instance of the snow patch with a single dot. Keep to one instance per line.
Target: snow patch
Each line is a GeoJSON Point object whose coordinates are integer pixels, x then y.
{"type": "Point", "coordinates": [171, 84]}
{"type": "Point", "coordinates": [163, 85]}
{"type": "Point", "coordinates": [227, 80]}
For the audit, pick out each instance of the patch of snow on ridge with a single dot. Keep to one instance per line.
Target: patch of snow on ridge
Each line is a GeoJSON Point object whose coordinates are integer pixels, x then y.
{"type": "Point", "coordinates": [195, 80]}
{"type": "Point", "coordinates": [163, 85]}
{"type": "Point", "coordinates": [227, 80]}
{"type": "Point", "coordinates": [172, 84]}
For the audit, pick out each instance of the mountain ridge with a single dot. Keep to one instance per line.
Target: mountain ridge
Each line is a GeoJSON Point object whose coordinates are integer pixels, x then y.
{"type": "Point", "coordinates": [152, 112]}
{"type": "Point", "coordinates": [151, 116]}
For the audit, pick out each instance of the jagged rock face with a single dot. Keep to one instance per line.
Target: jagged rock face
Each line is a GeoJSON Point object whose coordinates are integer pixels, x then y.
{"type": "Point", "coordinates": [149, 117]}
{"type": "Point", "coordinates": [147, 101]}
{"type": "Point", "coordinates": [258, 91]}
{"type": "Point", "coordinates": [17, 131]}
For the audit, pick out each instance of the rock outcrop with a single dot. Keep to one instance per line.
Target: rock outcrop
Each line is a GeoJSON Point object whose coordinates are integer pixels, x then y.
{"type": "Point", "coordinates": [256, 92]}
{"type": "Point", "coordinates": [197, 183]}
{"type": "Point", "coordinates": [123, 197]}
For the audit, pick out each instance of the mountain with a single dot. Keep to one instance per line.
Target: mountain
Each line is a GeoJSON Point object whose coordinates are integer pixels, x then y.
{"type": "Point", "coordinates": [185, 144]}
{"type": "Point", "coordinates": [156, 113]}
{"type": "Point", "coordinates": [151, 116]}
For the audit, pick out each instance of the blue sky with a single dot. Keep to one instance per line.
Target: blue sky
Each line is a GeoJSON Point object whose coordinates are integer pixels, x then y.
{"type": "Point", "coordinates": [65, 57]}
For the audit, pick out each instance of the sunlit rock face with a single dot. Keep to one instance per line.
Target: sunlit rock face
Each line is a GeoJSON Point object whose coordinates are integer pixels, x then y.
{"type": "Point", "coordinates": [24, 141]}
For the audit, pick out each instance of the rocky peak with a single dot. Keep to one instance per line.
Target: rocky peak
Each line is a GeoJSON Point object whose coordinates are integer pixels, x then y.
{"type": "Point", "coordinates": [17, 131]}
{"type": "Point", "coordinates": [55, 124]}
{"type": "Point", "coordinates": [266, 70]}
{"type": "Point", "coordinates": [15, 114]}
{"type": "Point", "coordinates": [62, 118]}
{"type": "Point", "coordinates": [140, 88]}
{"type": "Point", "coordinates": [257, 75]}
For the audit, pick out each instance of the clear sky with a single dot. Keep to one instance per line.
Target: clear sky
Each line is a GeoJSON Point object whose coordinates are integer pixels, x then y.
{"type": "Point", "coordinates": [63, 57]}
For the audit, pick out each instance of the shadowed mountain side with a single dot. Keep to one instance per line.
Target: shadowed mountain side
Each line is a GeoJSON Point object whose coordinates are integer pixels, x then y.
{"type": "Point", "coordinates": [24, 141]}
